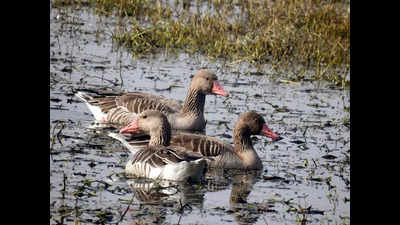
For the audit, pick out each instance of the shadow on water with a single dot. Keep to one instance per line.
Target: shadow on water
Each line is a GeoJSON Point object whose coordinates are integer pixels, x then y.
{"type": "Point", "coordinates": [306, 175]}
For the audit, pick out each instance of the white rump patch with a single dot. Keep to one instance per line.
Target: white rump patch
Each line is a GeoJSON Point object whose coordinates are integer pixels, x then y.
{"type": "Point", "coordinates": [122, 139]}
{"type": "Point", "coordinates": [96, 111]}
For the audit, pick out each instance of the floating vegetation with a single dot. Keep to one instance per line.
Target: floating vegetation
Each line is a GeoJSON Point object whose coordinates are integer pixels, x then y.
{"type": "Point", "coordinates": [314, 34]}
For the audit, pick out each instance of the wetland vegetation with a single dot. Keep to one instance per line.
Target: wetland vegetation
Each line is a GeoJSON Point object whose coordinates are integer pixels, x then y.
{"type": "Point", "coordinates": [310, 38]}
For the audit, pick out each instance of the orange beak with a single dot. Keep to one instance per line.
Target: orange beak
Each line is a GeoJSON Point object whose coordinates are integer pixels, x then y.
{"type": "Point", "coordinates": [218, 90]}
{"type": "Point", "coordinates": [268, 132]}
{"type": "Point", "coordinates": [130, 128]}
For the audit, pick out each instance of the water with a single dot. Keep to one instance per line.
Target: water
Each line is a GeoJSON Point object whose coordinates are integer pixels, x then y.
{"type": "Point", "coordinates": [311, 164]}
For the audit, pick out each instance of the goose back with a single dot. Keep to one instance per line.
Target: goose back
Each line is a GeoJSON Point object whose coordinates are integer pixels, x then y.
{"type": "Point", "coordinates": [205, 145]}
{"type": "Point", "coordinates": [136, 102]}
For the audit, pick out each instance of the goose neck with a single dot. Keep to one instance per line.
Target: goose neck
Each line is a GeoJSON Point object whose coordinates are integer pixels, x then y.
{"type": "Point", "coordinates": [194, 103]}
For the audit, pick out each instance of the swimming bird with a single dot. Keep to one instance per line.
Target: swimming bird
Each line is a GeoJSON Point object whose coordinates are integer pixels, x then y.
{"type": "Point", "coordinates": [160, 160]}
{"type": "Point", "coordinates": [122, 109]}
{"type": "Point", "coordinates": [241, 155]}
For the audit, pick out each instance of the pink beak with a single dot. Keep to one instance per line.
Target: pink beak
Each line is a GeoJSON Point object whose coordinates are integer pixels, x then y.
{"type": "Point", "coordinates": [218, 90]}
{"type": "Point", "coordinates": [268, 132]}
{"type": "Point", "coordinates": [130, 128]}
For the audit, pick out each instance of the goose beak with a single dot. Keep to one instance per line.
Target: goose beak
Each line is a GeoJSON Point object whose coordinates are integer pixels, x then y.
{"type": "Point", "coordinates": [268, 133]}
{"type": "Point", "coordinates": [218, 90]}
{"type": "Point", "coordinates": [130, 128]}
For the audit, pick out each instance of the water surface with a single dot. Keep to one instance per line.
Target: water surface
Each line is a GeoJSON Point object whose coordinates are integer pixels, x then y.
{"type": "Point", "coordinates": [306, 176]}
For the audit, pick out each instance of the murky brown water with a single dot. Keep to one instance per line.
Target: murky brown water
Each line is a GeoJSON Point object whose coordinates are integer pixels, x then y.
{"type": "Point", "coordinates": [306, 175]}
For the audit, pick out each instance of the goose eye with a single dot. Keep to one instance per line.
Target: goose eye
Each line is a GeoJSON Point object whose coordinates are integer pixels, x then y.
{"type": "Point", "coordinates": [144, 117]}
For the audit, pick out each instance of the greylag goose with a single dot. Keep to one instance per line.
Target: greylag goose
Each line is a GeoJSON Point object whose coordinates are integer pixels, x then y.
{"type": "Point", "coordinates": [121, 109]}
{"type": "Point", "coordinates": [240, 156]}
{"type": "Point", "coordinates": [159, 160]}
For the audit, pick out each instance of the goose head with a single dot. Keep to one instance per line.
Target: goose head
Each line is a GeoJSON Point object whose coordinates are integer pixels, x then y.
{"type": "Point", "coordinates": [206, 82]}
{"type": "Point", "coordinates": [151, 122]}
{"type": "Point", "coordinates": [252, 123]}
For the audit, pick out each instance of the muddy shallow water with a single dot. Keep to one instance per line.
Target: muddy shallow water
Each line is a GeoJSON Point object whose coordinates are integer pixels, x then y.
{"type": "Point", "coordinates": [306, 176]}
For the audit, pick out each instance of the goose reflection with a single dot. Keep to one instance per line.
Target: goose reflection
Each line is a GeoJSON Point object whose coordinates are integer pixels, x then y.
{"type": "Point", "coordinates": [164, 191]}
{"type": "Point", "coordinates": [242, 185]}
{"type": "Point", "coordinates": [158, 198]}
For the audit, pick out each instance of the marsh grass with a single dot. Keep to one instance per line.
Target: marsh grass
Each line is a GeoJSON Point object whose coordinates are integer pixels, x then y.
{"type": "Point", "coordinates": [314, 34]}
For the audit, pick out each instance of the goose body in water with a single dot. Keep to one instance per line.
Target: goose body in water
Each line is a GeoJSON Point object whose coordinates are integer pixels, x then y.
{"type": "Point", "coordinates": [160, 160]}
{"type": "Point", "coordinates": [241, 155]}
{"type": "Point", "coordinates": [121, 109]}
